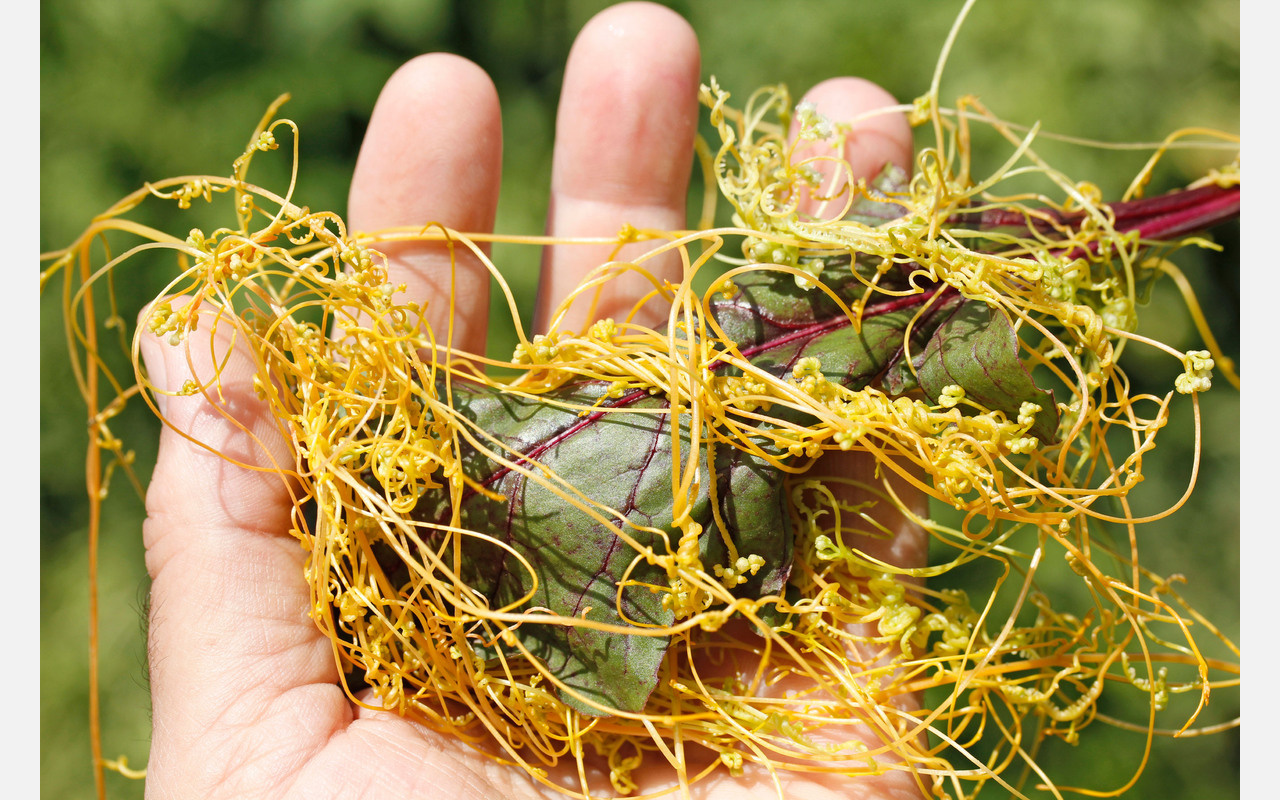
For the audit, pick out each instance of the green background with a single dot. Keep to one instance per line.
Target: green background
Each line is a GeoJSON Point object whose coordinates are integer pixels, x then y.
{"type": "Point", "coordinates": [145, 89]}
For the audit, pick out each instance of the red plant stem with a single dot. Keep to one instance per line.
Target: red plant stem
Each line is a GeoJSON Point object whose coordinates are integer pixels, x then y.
{"type": "Point", "coordinates": [1161, 217]}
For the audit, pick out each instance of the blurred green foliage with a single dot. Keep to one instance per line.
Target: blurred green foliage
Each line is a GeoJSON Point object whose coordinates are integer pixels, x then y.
{"type": "Point", "coordinates": [151, 88]}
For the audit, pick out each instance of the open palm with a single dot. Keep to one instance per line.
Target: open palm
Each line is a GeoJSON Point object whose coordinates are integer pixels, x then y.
{"type": "Point", "coordinates": [246, 694]}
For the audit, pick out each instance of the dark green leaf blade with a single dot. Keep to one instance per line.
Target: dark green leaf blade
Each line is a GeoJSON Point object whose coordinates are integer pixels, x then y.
{"type": "Point", "coordinates": [900, 376]}
{"type": "Point", "coordinates": [976, 348]}
{"type": "Point", "coordinates": [622, 460]}
{"type": "Point", "coordinates": [775, 323]}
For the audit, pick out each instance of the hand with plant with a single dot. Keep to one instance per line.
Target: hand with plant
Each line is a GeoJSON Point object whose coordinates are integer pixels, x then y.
{"type": "Point", "coordinates": [247, 700]}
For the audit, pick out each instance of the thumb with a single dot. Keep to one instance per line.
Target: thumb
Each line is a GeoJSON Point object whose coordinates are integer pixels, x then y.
{"type": "Point", "coordinates": [222, 452]}
{"type": "Point", "coordinates": [230, 628]}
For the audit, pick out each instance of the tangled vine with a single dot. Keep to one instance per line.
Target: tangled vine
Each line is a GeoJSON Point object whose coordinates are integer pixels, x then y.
{"type": "Point", "coordinates": [966, 342]}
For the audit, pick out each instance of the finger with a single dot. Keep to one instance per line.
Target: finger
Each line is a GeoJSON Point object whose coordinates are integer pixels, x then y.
{"type": "Point", "coordinates": [623, 152]}
{"type": "Point", "coordinates": [875, 139]}
{"type": "Point", "coordinates": [433, 154]}
{"type": "Point", "coordinates": [230, 628]}
{"type": "Point", "coordinates": [889, 534]}
{"type": "Point", "coordinates": [895, 538]}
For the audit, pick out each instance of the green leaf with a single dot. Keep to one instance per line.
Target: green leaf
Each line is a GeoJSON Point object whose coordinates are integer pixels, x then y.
{"type": "Point", "coordinates": [975, 347]}
{"type": "Point", "coordinates": [900, 377]}
{"type": "Point", "coordinates": [619, 459]}
{"type": "Point", "coordinates": [775, 324]}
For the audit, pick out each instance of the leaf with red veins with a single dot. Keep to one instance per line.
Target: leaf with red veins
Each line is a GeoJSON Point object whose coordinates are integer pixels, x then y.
{"type": "Point", "coordinates": [619, 454]}
{"type": "Point", "coordinates": [618, 458]}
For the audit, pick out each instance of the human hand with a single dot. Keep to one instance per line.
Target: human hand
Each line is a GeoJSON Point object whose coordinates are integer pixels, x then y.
{"type": "Point", "coordinates": [246, 693]}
